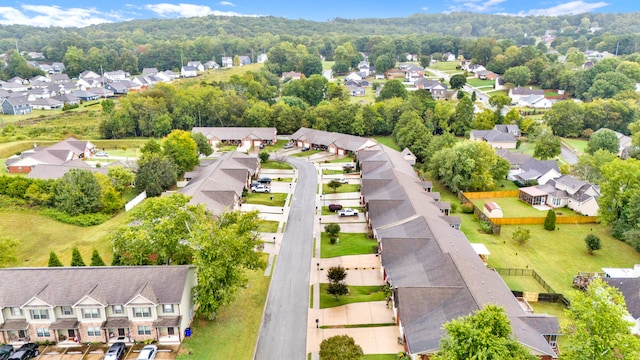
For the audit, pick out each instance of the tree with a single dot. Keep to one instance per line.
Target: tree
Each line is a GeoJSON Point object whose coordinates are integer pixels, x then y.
{"type": "Point", "coordinates": [334, 185]}
{"type": "Point", "coordinates": [603, 139]}
{"type": "Point", "coordinates": [609, 84]}
{"type": "Point", "coordinates": [332, 231]}
{"type": "Point", "coordinates": [204, 148]}
{"type": "Point", "coordinates": [8, 250]}
{"type": "Point", "coordinates": [76, 257]}
{"type": "Point", "coordinates": [425, 61]}
{"type": "Point", "coordinates": [236, 61]}
{"type": "Point", "coordinates": [463, 117]}
{"type": "Point", "coordinates": [517, 75]}
{"type": "Point", "coordinates": [620, 185]}
{"type": "Point", "coordinates": [468, 166]}
{"type": "Point", "coordinates": [337, 287]}
{"type": "Point", "coordinates": [593, 243]}
{"type": "Point", "coordinates": [457, 81]}
{"type": "Point", "coordinates": [155, 174]}
{"type": "Point", "coordinates": [550, 220]}
{"type": "Point", "coordinates": [499, 101]}
{"type": "Point", "coordinates": [385, 62]}
{"type": "Point", "coordinates": [264, 156]}
{"type": "Point", "coordinates": [589, 167]}
{"type": "Point", "coordinates": [391, 89]}
{"type": "Point", "coordinates": [340, 67]}
{"type": "Point", "coordinates": [521, 235]}
{"type": "Point", "coordinates": [77, 192]}
{"type": "Point", "coordinates": [311, 65]}
{"type": "Point", "coordinates": [121, 177]}
{"type": "Point", "coordinates": [340, 347]}
{"type": "Point", "coordinates": [565, 118]}
{"type": "Point", "coordinates": [597, 325]}
{"type": "Point", "coordinates": [486, 334]}
{"type": "Point", "coordinates": [547, 146]}
{"type": "Point", "coordinates": [96, 260]}
{"type": "Point", "coordinates": [53, 260]}
{"type": "Point", "coordinates": [180, 147]}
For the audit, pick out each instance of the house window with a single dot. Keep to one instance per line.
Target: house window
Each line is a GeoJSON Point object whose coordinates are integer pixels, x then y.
{"type": "Point", "coordinates": [16, 311]}
{"type": "Point", "coordinates": [144, 330]}
{"type": "Point", "coordinates": [43, 332]}
{"type": "Point", "coordinates": [66, 310]}
{"type": "Point", "coordinates": [91, 313]}
{"type": "Point", "coordinates": [167, 308]}
{"type": "Point", "coordinates": [142, 312]}
{"type": "Point", "coordinates": [39, 314]}
{"type": "Point", "coordinates": [556, 201]}
{"type": "Point", "coordinates": [93, 331]}
{"type": "Point", "coordinates": [117, 309]}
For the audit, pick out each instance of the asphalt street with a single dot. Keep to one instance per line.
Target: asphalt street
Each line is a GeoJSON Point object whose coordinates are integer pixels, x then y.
{"type": "Point", "coordinates": [283, 333]}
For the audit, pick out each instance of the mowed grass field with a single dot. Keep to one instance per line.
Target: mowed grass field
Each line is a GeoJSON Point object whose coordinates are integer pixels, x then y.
{"type": "Point", "coordinates": [38, 235]}
{"type": "Point", "coordinates": [513, 207]}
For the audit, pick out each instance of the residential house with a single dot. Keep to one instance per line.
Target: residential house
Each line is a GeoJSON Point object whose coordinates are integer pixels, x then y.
{"type": "Point", "coordinates": [211, 65]}
{"type": "Point", "coordinates": [409, 156]}
{"type": "Point", "coordinates": [167, 76]}
{"type": "Point", "coordinates": [227, 61]}
{"type": "Point", "coordinates": [219, 186]}
{"type": "Point", "coordinates": [116, 75]}
{"type": "Point", "coordinates": [85, 95]}
{"type": "Point", "coordinates": [35, 55]}
{"type": "Point", "coordinates": [486, 75]}
{"type": "Point", "coordinates": [512, 129]}
{"type": "Point", "coordinates": [15, 87]}
{"type": "Point", "coordinates": [497, 139]}
{"type": "Point", "coordinates": [433, 271]}
{"type": "Point", "coordinates": [566, 190]}
{"type": "Point", "coordinates": [335, 143]}
{"type": "Point", "coordinates": [149, 71]}
{"type": "Point", "coordinates": [291, 75]}
{"type": "Point", "coordinates": [328, 74]}
{"type": "Point", "coordinates": [357, 83]}
{"type": "Point", "coordinates": [244, 137]}
{"type": "Point", "coordinates": [536, 170]}
{"type": "Point", "coordinates": [519, 92]}
{"type": "Point", "coordinates": [100, 304]}
{"type": "Point", "coordinates": [101, 92]}
{"type": "Point", "coordinates": [353, 76]}
{"type": "Point", "coordinates": [448, 57]}
{"type": "Point", "coordinates": [536, 101]}
{"type": "Point", "coordinates": [196, 64]}
{"type": "Point", "coordinates": [627, 281]}
{"type": "Point", "coordinates": [56, 154]}
{"type": "Point", "coordinates": [413, 73]}
{"type": "Point", "coordinates": [355, 90]}
{"type": "Point", "coordinates": [67, 99]}
{"type": "Point", "coordinates": [262, 58]}
{"type": "Point", "coordinates": [58, 68]}
{"type": "Point", "coordinates": [437, 89]}
{"type": "Point", "coordinates": [118, 88]}
{"type": "Point", "coordinates": [53, 172]}
{"type": "Point", "coordinates": [499, 84]}
{"type": "Point", "coordinates": [363, 66]}
{"type": "Point", "coordinates": [412, 57]}
{"type": "Point", "coordinates": [88, 74]}
{"type": "Point", "coordinates": [18, 105]}
{"type": "Point", "coordinates": [46, 104]}
{"type": "Point", "coordinates": [244, 60]}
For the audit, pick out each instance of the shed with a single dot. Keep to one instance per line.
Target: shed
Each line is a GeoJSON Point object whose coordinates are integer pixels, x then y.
{"type": "Point", "coordinates": [492, 210]}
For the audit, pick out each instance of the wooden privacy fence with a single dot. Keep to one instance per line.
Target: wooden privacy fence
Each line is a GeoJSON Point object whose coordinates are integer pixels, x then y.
{"type": "Point", "coordinates": [540, 220]}
{"type": "Point", "coordinates": [549, 296]}
{"type": "Point", "coordinates": [491, 194]}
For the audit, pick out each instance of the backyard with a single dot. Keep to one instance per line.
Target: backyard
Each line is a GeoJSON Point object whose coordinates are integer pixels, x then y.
{"type": "Point", "coordinates": [513, 207]}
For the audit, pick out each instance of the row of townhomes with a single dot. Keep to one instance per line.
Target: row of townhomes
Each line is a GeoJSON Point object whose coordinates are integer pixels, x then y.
{"type": "Point", "coordinates": [96, 304]}
{"type": "Point", "coordinates": [434, 272]}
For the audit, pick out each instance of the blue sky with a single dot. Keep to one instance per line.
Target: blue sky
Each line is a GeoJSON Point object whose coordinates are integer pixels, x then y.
{"type": "Point", "coordinates": [83, 13]}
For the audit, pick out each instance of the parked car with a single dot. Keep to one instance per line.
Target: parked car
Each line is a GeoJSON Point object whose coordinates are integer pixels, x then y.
{"type": "Point", "coordinates": [348, 212]}
{"type": "Point", "coordinates": [254, 184]}
{"type": "Point", "coordinates": [148, 352]}
{"type": "Point", "coordinates": [25, 352]}
{"type": "Point", "coordinates": [5, 351]}
{"type": "Point", "coordinates": [30, 347]}
{"type": "Point", "coordinates": [335, 207]}
{"type": "Point", "coordinates": [306, 148]}
{"type": "Point", "coordinates": [260, 189]}
{"type": "Point", "coordinates": [116, 351]}
{"type": "Point", "coordinates": [288, 146]}
{"type": "Point", "coordinates": [264, 180]}
{"type": "Point", "coordinates": [102, 154]}
{"type": "Point", "coordinates": [348, 166]}
{"type": "Point", "coordinates": [342, 181]}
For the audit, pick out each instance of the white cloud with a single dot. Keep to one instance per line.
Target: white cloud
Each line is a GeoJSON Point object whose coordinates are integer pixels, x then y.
{"type": "Point", "coordinates": [424, 8]}
{"type": "Point", "coordinates": [188, 10]}
{"type": "Point", "coordinates": [226, 3]}
{"type": "Point", "coordinates": [45, 16]}
{"type": "Point", "coordinates": [570, 8]}
{"type": "Point", "coordinates": [480, 6]}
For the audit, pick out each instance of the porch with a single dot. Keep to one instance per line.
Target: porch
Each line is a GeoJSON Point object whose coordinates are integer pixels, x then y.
{"type": "Point", "coordinates": [168, 330]}
{"type": "Point", "coordinates": [15, 332]}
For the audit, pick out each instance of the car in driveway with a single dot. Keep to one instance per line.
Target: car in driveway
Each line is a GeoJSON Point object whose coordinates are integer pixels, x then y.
{"type": "Point", "coordinates": [335, 207]}
{"type": "Point", "coordinates": [5, 351]}
{"type": "Point", "coordinates": [306, 148]}
{"type": "Point", "coordinates": [264, 180]}
{"type": "Point", "coordinates": [102, 154]}
{"type": "Point", "coordinates": [25, 352]}
{"type": "Point", "coordinates": [288, 146]}
{"type": "Point", "coordinates": [148, 352]}
{"type": "Point", "coordinates": [260, 189]}
{"type": "Point", "coordinates": [342, 181]}
{"type": "Point", "coordinates": [116, 351]}
{"type": "Point", "coordinates": [347, 212]}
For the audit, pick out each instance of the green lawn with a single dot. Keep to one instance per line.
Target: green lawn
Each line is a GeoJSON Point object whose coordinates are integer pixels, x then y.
{"type": "Point", "coordinates": [349, 244]}
{"type": "Point", "coordinates": [3, 166]}
{"type": "Point", "coordinates": [368, 98]}
{"type": "Point", "coordinates": [356, 294]}
{"type": "Point", "coordinates": [332, 172]}
{"type": "Point", "coordinates": [344, 188]}
{"type": "Point", "coordinates": [380, 357]}
{"type": "Point", "coordinates": [475, 82]}
{"type": "Point", "coordinates": [388, 141]}
{"type": "Point", "coordinates": [266, 199]}
{"type": "Point", "coordinates": [577, 145]}
{"type": "Point", "coordinates": [280, 179]}
{"type": "Point", "coordinates": [234, 333]}
{"type": "Point", "coordinates": [327, 65]}
{"type": "Point", "coordinates": [39, 234]}
{"type": "Point", "coordinates": [276, 165]}
{"type": "Point", "coordinates": [523, 283]}
{"type": "Point", "coordinates": [277, 146]}
{"type": "Point", "coordinates": [227, 148]}
{"type": "Point", "coordinates": [512, 207]}
{"type": "Point", "coordinates": [269, 226]}
{"type": "Point", "coordinates": [445, 65]}
{"type": "Point", "coordinates": [344, 159]}
{"type": "Point", "coordinates": [306, 153]}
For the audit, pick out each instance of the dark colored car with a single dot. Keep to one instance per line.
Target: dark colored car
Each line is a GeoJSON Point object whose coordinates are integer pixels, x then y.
{"type": "Point", "coordinates": [116, 351]}
{"type": "Point", "coordinates": [5, 351]}
{"type": "Point", "coordinates": [25, 352]}
{"type": "Point", "coordinates": [305, 148]}
{"type": "Point", "coordinates": [264, 180]}
{"type": "Point", "coordinates": [335, 207]}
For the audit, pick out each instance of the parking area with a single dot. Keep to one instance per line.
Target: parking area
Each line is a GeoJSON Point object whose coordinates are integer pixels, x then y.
{"type": "Point", "coordinates": [97, 351]}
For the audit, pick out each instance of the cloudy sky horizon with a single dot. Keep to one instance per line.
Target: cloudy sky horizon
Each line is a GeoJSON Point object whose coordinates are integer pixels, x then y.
{"type": "Point", "coordinates": [68, 13]}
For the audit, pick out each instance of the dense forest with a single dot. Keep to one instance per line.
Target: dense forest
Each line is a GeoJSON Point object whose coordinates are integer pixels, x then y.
{"type": "Point", "coordinates": [162, 43]}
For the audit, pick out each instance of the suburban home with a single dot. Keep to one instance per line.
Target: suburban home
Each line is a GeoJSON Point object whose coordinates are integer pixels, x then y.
{"type": "Point", "coordinates": [358, 83]}
{"type": "Point", "coordinates": [196, 64]}
{"type": "Point", "coordinates": [219, 185]}
{"type": "Point", "coordinates": [85, 95]}
{"type": "Point", "coordinates": [262, 58]}
{"type": "Point", "coordinates": [497, 139]}
{"type": "Point", "coordinates": [566, 190]}
{"type": "Point", "coordinates": [50, 171]}
{"type": "Point", "coordinates": [486, 75]}
{"type": "Point", "coordinates": [149, 71]}
{"type": "Point", "coordinates": [448, 57]}
{"type": "Point", "coordinates": [409, 156]}
{"type": "Point", "coordinates": [519, 92]}
{"type": "Point", "coordinates": [116, 75]}
{"type": "Point", "coordinates": [535, 101]}
{"type": "Point", "coordinates": [15, 87]}
{"type": "Point", "coordinates": [434, 272]}
{"type": "Point", "coordinates": [335, 143]}
{"type": "Point", "coordinates": [536, 170]}
{"type": "Point", "coordinates": [18, 105]}
{"type": "Point", "coordinates": [67, 99]}
{"type": "Point", "coordinates": [58, 78]}
{"type": "Point", "coordinates": [364, 67]}
{"type": "Point", "coordinates": [244, 60]}
{"type": "Point", "coordinates": [58, 67]}
{"type": "Point", "coordinates": [243, 137]}
{"type": "Point", "coordinates": [353, 76]}
{"type": "Point", "coordinates": [437, 89]}
{"type": "Point", "coordinates": [226, 61]}
{"type": "Point", "coordinates": [56, 154]}
{"type": "Point", "coordinates": [118, 88]}
{"type": "Point", "coordinates": [46, 104]}
{"type": "Point", "coordinates": [211, 65]}
{"type": "Point", "coordinates": [499, 84]}
{"type": "Point", "coordinates": [413, 73]}
{"type": "Point", "coordinates": [627, 281]}
{"type": "Point", "coordinates": [102, 304]}
{"type": "Point", "coordinates": [355, 90]}
{"type": "Point", "coordinates": [291, 75]}
{"type": "Point", "coordinates": [188, 71]}
{"type": "Point", "coordinates": [512, 129]}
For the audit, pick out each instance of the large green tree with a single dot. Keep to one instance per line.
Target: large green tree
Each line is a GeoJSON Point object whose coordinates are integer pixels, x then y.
{"type": "Point", "coordinates": [596, 326]}
{"type": "Point", "coordinates": [565, 118]}
{"type": "Point", "coordinates": [155, 174]}
{"type": "Point", "coordinates": [604, 139]}
{"type": "Point", "coordinates": [486, 334]}
{"type": "Point", "coordinates": [204, 148]}
{"type": "Point", "coordinates": [518, 75]}
{"type": "Point", "coordinates": [78, 192]}
{"type": "Point", "coordinates": [621, 182]}
{"type": "Point", "coordinates": [391, 89]}
{"type": "Point", "coordinates": [468, 166]}
{"type": "Point", "coordinates": [340, 347]}
{"type": "Point", "coordinates": [547, 146]}
{"type": "Point", "coordinates": [589, 167]}
{"type": "Point", "coordinates": [180, 147]}
{"type": "Point", "coordinates": [457, 81]}
{"type": "Point", "coordinates": [76, 257]}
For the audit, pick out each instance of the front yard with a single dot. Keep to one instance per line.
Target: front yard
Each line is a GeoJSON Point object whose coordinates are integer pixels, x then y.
{"type": "Point", "coordinates": [356, 294]}
{"type": "Point", "coordinates": [349, 244]}
{"type": "Point", "coordinates": [344, 188]}
{"type": "Point", "coordinates": [268, 199]}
